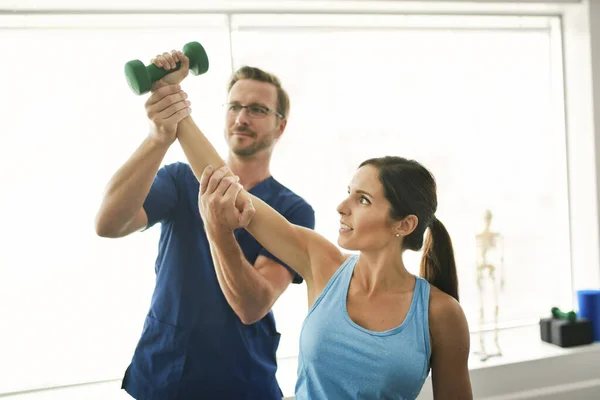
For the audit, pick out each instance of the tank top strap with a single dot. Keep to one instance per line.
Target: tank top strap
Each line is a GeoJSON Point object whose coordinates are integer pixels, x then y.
{"type": "Point", "coordinates": [423, 291]}
{"type": "Point", "coordinates": [339, 281]}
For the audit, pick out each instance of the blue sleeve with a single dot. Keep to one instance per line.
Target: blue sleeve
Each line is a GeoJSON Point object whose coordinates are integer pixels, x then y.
{"type": "Point", "coordinates": [163, 196]}
{"type": "Point", "coordinates": [303, 215]}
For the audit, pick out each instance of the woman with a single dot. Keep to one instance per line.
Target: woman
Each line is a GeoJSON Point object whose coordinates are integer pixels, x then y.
{"type": "Point", "coordinates": [374, 331]}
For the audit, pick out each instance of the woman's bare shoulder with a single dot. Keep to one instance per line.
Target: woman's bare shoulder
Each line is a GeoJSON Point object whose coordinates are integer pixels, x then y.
{"type": "Point", "coordinates": [446, 316]}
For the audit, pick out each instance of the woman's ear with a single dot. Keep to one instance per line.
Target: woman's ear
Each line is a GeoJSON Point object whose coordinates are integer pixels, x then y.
{"type": "Point", "coordinates": [406, 225]}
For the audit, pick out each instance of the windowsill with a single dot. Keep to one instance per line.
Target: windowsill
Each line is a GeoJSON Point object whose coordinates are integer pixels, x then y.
{"type": "Point", "coordinates": [520, 345]}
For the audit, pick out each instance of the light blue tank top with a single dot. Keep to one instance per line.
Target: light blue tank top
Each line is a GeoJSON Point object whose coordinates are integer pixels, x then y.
{"type": "Point", "coordinates": [341, 360]}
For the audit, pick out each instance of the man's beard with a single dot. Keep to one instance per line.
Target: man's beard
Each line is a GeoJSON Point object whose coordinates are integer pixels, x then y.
{"type": "Point", "coordinates": [250, 150]}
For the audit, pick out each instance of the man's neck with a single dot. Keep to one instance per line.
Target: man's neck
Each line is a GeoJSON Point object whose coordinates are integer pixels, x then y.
{"type": "Point", "coordinates": [251, 170]}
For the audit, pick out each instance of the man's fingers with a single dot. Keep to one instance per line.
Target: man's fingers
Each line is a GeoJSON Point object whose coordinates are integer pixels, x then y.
{"type": "Point", "coordinates": [247, 212]}
{"type": "Point", "coordinates": [204, 178]}
{"type": "Point", "coordinates": [178, 116]}
{"type": "Point", "coordinates": [162, 93]}
{"type": "Point", "coordinates": [216, 178]}
{"type": "Point", "coordinates": [232, 191]}
{"type": "Point", "coordinates": [169, 99]}
{"type": "Point", "coordinates": [222, 190]}
{"type": "Point", "coordinates": [168, 112]}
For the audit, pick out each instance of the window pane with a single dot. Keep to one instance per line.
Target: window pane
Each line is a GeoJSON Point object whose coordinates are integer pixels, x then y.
{"type": "Point", "coordinates": [474, 105]}
{"type": "Point", "coordinates": [74, 304]}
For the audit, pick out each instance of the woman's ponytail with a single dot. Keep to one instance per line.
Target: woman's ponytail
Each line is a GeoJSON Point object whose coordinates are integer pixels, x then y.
{"type": "Point", "coordinates": [438, 266]}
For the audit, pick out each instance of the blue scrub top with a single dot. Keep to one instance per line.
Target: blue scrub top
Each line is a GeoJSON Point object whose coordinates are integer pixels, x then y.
{"type": "Point", "coordinates": [193, 345]}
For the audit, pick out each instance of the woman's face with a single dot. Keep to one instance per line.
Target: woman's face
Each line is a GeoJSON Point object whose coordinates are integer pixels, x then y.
{"type": "Point", "coordinates": [365, 222]}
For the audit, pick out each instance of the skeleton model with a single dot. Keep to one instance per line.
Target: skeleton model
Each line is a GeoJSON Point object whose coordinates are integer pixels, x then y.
{"type": "Point", "coordinates": [490, 260]}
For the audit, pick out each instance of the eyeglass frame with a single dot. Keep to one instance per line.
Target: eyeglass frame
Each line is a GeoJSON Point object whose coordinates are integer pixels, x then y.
{"type": "Point", "coordinates": [267, 109]}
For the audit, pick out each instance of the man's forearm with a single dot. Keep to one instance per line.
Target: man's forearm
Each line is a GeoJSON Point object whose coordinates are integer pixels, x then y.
{"type": "Point", "coordinates": [129, 186]}
{"type": "Point", "coordinates": [247, 291]}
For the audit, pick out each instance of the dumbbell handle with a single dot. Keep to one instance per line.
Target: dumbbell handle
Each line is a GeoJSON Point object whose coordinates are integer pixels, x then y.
{"type": "Point", "coordinates": [570, 316]}
{"type": "Point", "coordinates": [157, 73]}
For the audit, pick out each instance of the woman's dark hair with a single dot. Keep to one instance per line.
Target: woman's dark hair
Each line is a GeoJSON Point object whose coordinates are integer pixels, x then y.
{"type": "Point", "coordinates": [411, 190]}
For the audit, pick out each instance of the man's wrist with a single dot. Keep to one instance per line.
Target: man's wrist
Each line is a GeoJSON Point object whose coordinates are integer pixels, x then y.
{"type": "Point", "coordinates": [158, 141]}
{"type": "Point", "coordinates": [219, 235]}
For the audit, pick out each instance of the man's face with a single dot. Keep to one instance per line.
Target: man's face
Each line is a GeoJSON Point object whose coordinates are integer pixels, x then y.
{"type": "Point", "coordinates": [251, 122]}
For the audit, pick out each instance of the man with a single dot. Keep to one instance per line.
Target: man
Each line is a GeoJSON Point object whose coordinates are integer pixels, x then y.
{"type": "Point", "coordinates": [209, 333]}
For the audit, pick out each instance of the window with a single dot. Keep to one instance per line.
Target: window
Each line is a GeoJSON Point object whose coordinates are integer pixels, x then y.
{"type": "Point", "coordinates": [475, 99]}
{"type": "Point", "coordinates": [472, 98]}
{"type": "Point", "coordinates": [74, 303]}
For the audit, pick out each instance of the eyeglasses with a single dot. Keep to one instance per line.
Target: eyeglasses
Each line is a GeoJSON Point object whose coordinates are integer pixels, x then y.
{"type": "Point", "coordinates": [253, 110]}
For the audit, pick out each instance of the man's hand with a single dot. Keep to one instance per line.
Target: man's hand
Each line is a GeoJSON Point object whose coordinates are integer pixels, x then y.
{"type": "Point", "coordinates": [165, 108]}
{"type": "Point", "coordinates": [167, 61]}
{"type": "Point", "coordinates": [216, 202]}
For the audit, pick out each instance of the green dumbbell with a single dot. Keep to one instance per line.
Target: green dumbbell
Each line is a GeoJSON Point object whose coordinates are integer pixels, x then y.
{"type": "Point", "coordinates": [140, 77]}
{"type": "Point", "coordinates": [570, 316]}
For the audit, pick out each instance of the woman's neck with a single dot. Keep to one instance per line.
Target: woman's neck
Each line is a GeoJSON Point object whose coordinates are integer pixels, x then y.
{"type": "Point", "coordinates": [382, 271]}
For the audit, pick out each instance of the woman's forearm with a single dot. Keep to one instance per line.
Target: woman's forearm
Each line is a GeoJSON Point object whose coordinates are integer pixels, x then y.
{"type": "Point", "coordinates": [283, 239]}
{"type": "Point", "coordinates": [200, 152]}
{"type": "Point", "coordinates": [197, 148]}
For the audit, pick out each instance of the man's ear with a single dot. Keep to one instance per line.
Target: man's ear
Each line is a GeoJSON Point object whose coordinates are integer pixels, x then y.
{"type": "Point", "coordinates": [281, 128]}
